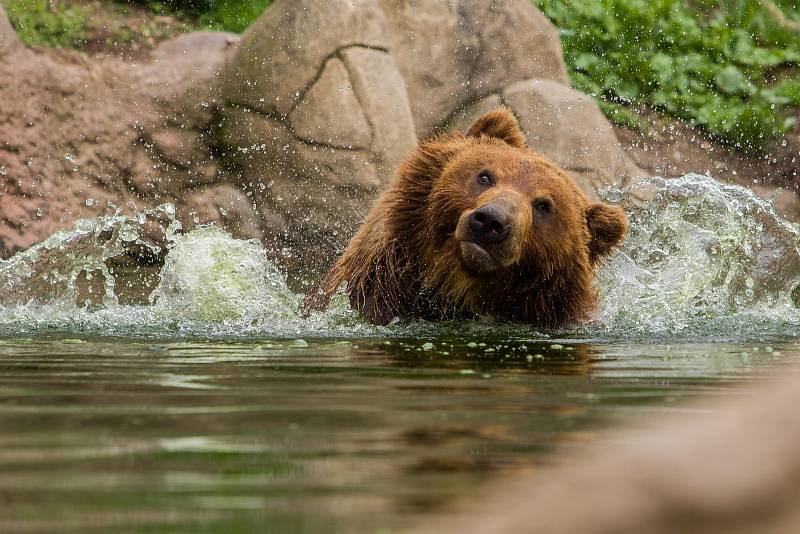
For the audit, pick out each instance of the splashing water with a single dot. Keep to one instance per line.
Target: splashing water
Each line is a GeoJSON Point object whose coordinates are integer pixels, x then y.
{"type": "Point", "coordinates": [702, 259]}
{"type": "Point", "coordinates": [210, 285]}
{"type": "Point", "coordinates": [210, 277]}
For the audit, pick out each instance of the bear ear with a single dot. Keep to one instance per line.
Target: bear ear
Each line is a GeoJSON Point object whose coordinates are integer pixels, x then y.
{"type": "Point", "coordinates": [607, 226]}
{"type": "Point", "coordinates": [500, 124]}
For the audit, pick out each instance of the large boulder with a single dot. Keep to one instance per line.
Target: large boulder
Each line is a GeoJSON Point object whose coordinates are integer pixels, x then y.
{"type": "Point", "coordinates": [314, 119]}
{"type": "Point", "coordinates": [454, 53]}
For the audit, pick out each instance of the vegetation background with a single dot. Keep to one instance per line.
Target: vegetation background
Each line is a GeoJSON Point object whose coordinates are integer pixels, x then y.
{"type": "Point", "coordinates": [730, 68]}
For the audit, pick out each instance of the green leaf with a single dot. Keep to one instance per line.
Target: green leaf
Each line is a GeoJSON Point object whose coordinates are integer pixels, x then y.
{"type": "Point", "coordinates": [585, 61]}
{"type": "Point", "coordinates": [627, 90]}
{"type": "Point", "coordinates": [732, 81]}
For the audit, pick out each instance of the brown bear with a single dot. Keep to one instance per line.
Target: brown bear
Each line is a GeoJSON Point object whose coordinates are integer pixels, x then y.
{"type": "Point", "coordinates": [477, 225]}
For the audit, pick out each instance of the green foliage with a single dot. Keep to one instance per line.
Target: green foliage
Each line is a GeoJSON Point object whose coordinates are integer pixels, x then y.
{"type": "Point", "coordinates": [59, 26]}
{"type": "Point", "coordinates": [620, 115]}
{"type": "Point", "coordinates": [707, 62]}
{"type": "Point", "coordinates": [222, 15]}
{"type": "Point", "coordinates": [786, 92]}
{"type": "Point", "coordinates": [233, 15]}
{"type": "Point", "coordinates": [65, 24]}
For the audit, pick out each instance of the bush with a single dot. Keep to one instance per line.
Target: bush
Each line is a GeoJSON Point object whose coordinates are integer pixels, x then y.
{"type": "Point", "coordinates": [60, 26]}
{"type": "Point", "coordinates": [709, 63]}
{"type": "Point", "coordinates": [222, 15]}
{"type": "Point", "coordinates": [233, 15]}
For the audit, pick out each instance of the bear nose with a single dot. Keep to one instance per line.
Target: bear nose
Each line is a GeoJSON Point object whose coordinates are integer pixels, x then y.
{"type": "Point", "coordinates": [489, 225]}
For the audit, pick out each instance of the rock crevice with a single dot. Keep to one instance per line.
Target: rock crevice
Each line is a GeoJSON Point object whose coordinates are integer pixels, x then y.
{"type": "Point", "coordinates": [336, 53]}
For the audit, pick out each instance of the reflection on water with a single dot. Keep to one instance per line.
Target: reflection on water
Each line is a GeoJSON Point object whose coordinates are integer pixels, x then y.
{"type": "Point", "coordinates": [314, 436]}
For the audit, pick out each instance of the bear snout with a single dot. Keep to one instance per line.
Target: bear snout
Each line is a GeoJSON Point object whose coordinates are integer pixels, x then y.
{"type": "Point", "coordinates": [489, 225]}
{"type": "Point", "coordinates": [487, 236]}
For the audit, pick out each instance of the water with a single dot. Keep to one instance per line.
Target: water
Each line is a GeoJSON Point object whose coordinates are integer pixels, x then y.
{"type": "Point", "coordinates": [336, 436]}
{"type": "Point", "coordinates": [182, 392]}
{"type": "Point", "coordinates": [702, 259]}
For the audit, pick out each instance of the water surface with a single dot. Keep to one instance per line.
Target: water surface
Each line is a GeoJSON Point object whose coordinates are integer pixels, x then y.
{"type": "Point", "coordinates": [324, 435]}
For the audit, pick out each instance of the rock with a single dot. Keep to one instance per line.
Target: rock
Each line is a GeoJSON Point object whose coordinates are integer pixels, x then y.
{"type": "Point", "coordinates": [315, 120]}
{"type": "Point", "coordinates": [184, 75]}
{"type": "Point", "coordinates": [185, 154]}
{"type": "Point", "coordinates": [284, 52]}
{"type": "Point", "coordinates": [394, 138]}
{"type": "Point", "coordinates": [454, 53]}
{"type": "Point", "coordinates": [564, 125]}
{"type": "Point", "coordinates": [190, 61]}
{"type": "Point", "coordinates": [176, 146]}
{"type": "Point", "coordinates": [48, 146]}
{"type": "Point", "coordinates": [570, 128]}
{"type": "Point", "coordinates": [786, 201]}
{"type": "Point", "coordinates": [330, 113]}
{"type": "Point", "coordinates": [317, 192]}
{"type": "Point", "coordinates": [464, 117]}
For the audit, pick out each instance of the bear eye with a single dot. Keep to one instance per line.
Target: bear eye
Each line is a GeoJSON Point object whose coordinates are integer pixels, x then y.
{"type": "Point", "coordinates": [485, 178]}
{"type": "Point", "coordinates": [543, 206]}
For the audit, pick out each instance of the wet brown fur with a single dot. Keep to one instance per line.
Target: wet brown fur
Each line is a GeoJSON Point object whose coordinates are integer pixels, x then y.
{"type": "Point", "coordinates": [405, 261]}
